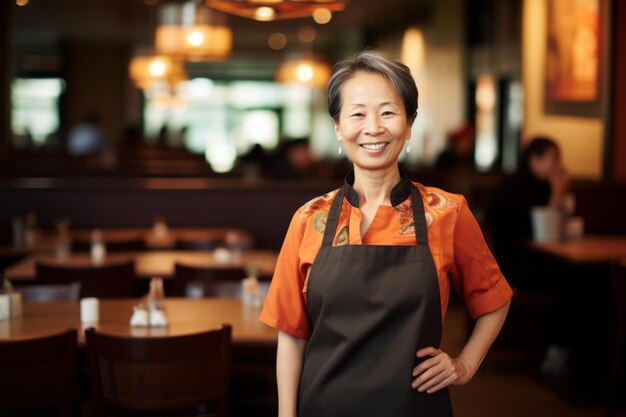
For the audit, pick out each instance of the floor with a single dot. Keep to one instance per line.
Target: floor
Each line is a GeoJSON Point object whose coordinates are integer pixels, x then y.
{"type": "Point", "coordinates": [501, 388]}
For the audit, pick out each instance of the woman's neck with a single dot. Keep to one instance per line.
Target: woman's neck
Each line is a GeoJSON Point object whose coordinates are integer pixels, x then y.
{"type": "Point", "coordinates": [374, 187]}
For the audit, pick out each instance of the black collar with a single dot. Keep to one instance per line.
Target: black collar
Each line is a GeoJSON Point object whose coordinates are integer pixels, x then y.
{"type": "Point", "coordinates": [399, 193]}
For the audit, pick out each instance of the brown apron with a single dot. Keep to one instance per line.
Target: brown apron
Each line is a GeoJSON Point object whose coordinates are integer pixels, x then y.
{"type": "Point", "coordinates": [371, 307]}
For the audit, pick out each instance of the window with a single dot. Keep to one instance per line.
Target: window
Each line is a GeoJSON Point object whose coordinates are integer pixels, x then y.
{"type": "Point", "coordinates": [35, 109]}
{"type": "Point", "coordinates": [225, 119]}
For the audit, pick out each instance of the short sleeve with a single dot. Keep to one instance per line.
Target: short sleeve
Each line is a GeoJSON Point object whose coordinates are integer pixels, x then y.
{"type": "Point", "coordinates": [285, 305]}
{"type": "Point", "coordinates": [476, 274]}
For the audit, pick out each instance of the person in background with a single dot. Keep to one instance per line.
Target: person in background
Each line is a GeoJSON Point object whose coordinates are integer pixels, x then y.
{"type": "Point", "coordinates": [362, 282]}
{"type": "Point", "coordinates": [293, 159]}
{"type": "Point", "coordinates": [255, 163]}
{"type": "Point", "coordinates": [541, 180]}
{"type": "Point", "coordinates": [460, 150]}
{"type": "Point", "coordinates": [86, 138]}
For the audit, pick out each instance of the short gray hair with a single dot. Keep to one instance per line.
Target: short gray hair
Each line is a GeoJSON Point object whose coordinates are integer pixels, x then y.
{"type": "Point", "coordinates": [376, 62]}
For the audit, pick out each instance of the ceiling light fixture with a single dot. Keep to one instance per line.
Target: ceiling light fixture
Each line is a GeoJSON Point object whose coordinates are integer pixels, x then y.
{"type": "Point", "coordinates": [304, 70]}
{"type": "Point", "coordinates": [280, 9]}
{"type": "Point", "coordinates": [147, 71]}
{"type": "Point", "coordinates": [193, 32]}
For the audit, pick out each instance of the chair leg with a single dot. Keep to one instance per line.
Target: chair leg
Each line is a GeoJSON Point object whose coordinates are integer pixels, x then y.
{"type": "Point", "coordinates": [616, 376]}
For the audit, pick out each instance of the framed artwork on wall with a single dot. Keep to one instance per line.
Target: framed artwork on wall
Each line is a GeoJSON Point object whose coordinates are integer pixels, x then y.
{"type": "Point", "coordinates": [576, 55]}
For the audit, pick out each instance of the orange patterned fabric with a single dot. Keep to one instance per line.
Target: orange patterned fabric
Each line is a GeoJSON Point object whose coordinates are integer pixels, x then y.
{"type": "Point", "coordinates": [459, 250]}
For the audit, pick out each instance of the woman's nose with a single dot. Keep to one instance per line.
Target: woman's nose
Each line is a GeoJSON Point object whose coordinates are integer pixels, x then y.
{"type": "Point", "coordinates": [373, 126]}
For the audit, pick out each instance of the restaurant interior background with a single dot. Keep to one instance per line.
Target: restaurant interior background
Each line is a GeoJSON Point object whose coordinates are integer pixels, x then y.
{"type": "Point", "coordinates": [234, 133]}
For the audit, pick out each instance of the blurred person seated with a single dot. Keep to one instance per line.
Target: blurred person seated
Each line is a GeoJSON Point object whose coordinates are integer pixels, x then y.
{"type": "Point", "coordinates": [541, 180]}
{"type": "Point", "coordinates": [171, 138]}
{"type": "Point", "coordinates": [294, 159]}
{"type": "Point", "coordinates": [255, 162]}
{"type": "Point", "coordinates": [87, 138]}
{"type": "Point", "coordinates": [459, 152]}
{"type": "Point", "coordinates": [24, 140]}
{"type": "Point", "coordinates": [539, 283]}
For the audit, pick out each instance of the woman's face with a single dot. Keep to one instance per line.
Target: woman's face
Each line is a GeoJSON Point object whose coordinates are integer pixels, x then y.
{"type": "Point", "coordinates": [373, 124]}
{"type": "Point", "coordinates": [545, 165]}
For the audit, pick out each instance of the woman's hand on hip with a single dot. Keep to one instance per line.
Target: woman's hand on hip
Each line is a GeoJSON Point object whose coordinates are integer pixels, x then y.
{"type": "Point", "coordinates": [439, 371]}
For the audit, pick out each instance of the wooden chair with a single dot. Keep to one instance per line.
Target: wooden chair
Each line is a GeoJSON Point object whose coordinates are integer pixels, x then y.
{"type": "Point", "coordinates": [103, 281]}
{"type": "Point", "coordinates": [161, 374]}
{"type": "Point", "coordinates": [38, 375]}
{"type": "Point", "coordinates": [192, 244]}
{"type": "Point", "coordinates": [221, 289]}
{"type": "Point", "coordinates": [617, 382]}
{"type": "Point", "coordinates": [205, 281]}
{"type": "Point", "coordinates": [47, 293]}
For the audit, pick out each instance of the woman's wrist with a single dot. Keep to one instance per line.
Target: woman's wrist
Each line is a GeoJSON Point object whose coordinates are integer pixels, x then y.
{"type": "Point", "coordinates": [469, 366]}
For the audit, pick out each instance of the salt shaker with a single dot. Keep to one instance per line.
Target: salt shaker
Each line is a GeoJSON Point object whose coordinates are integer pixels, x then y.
{"type": "Point", "coordinates": [139, 317]}
{"type": "Point", "coordinates": [98, 249]}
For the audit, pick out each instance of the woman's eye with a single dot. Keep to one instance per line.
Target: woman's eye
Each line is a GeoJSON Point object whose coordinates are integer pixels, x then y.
{"type": "Point", "coordinates": [356, 115]}
{"type": "Point", "coordinates": [388, 113]}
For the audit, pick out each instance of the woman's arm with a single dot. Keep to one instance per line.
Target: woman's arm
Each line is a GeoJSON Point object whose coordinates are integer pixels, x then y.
{"type": "Point", "coordinates": [559, 184]}
{"type": "Point", "coordinates": [288, 369]}
{"type": "Point", "coordinates": [442, 370]}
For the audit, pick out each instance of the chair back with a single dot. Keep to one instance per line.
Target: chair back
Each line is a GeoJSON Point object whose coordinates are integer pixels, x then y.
{"type": "Point", "coordinates": [38, 375]}
{"type": "Point", "coordinates": [198, 245]}
{"type": "Point", "coordinates": [102, 281]}
{"type": "Point", "coordinates": [135, 244]}
{"type": "Point", "coordinates": [220, 289]}
{"type": "Point", "coordinates": [200, 278]}
{"type": "Point", "coordinates": [158, 374]}
{"type": "Point", "coordinates": [48, 293]}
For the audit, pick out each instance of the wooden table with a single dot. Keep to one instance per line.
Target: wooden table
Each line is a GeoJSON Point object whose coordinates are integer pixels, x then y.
{"type": "Point", "coordinates": [587, 265]}
{"type": "Point", "coordinates": [185, 316]}
{"type": "Point", "coordinates": [588, 250]}
{"type": "Point", "coordinates": [253, 378]}
{"type": "Point", "coordinates": [148, 263]}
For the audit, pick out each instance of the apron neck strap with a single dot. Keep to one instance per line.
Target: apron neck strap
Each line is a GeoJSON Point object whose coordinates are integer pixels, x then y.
{"type": "Point", "coordinates": [419, 216]}
{"type": "Point", "coordinates": [333, 218]}
{"type": "Point", "coordinates": [417, 204]}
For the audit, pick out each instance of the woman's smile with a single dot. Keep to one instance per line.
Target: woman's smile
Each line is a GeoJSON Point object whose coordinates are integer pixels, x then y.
{"type": "Point", "coordinates": [374, 148]}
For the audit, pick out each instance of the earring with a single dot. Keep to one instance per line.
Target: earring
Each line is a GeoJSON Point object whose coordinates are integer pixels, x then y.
{"type": "Point", "coordinates": [408, 148]}
{"type": "Point", "coordinates": [339, 150]}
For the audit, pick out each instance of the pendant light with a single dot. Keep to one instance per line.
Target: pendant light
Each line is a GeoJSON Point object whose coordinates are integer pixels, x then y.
{"type": "Point", "coordinates": [304, 69]}
{"type": "Point", "coordinates": [192, 32]}
{"type": "Point", "coordinates": [147, 71]}
{"type": "Point", "coordinates": [267, 10]}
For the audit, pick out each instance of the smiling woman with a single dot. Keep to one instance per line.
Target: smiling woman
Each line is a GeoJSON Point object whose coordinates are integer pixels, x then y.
{"type": "Point", "coordinates": [361, 285]}
{"type": "Point", "coordinates": [372, 124]}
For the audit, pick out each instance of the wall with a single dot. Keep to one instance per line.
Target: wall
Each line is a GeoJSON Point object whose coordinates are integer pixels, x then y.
{"type": "Point", "coordinates": [619, 93]}
{"type": "Point", "coordinates": [97, 79]}
{"type": "Point", "coordinates": [440, 81]}
{"type": "Point", "coordinates": [581, 139]}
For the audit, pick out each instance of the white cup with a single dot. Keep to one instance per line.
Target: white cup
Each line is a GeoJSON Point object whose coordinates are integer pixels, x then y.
{"type": "Point", "coordinates": [547, 224]}
{"type": "Point", "coordinates": [98, 252]}
{"type": "Point", "coordinates": [5, 306]}
{"type": "Point", "coordinates": [89, 310]}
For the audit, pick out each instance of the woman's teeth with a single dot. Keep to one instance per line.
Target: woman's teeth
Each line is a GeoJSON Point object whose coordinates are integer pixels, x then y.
{"type": "Point", "coordinates": [374, 146]}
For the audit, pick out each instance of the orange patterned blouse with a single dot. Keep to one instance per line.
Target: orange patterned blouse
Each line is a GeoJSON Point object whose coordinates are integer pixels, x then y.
{"type": "Point", "coordinates": [455, 239]}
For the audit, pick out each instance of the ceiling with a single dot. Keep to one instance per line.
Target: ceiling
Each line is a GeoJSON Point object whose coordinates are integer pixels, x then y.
{"type": "Point", "coordinates": [43, 28]}
{"type": "Point", "coordinates": [44, 22]}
